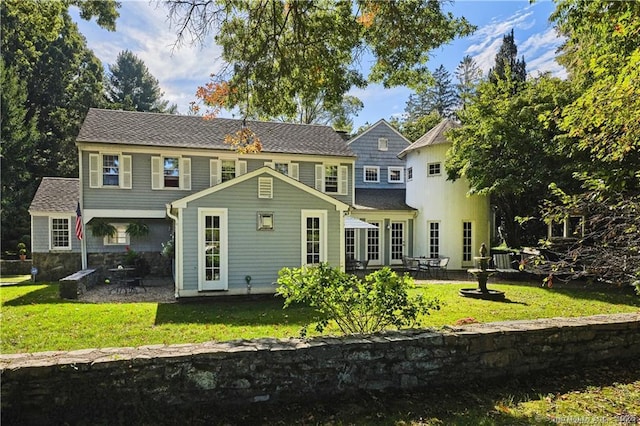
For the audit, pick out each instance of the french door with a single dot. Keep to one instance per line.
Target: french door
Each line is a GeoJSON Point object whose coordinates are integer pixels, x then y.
{"type": "Point", "coordinates": [373, 245]}
{"type": "Point", "coordinates": [396, 242]}
{"type": "Point", "coordinates": [212, 250]}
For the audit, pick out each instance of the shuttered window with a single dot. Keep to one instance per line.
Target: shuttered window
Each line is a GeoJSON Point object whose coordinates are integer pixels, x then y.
{"type": "Point", "coordinates": [110, 170]}
{"type": "Point", "coordinates": [171, 172]}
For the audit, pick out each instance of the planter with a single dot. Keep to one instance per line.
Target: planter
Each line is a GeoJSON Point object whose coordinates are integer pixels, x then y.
{"type": "Point", "coordinates": [23, 257]}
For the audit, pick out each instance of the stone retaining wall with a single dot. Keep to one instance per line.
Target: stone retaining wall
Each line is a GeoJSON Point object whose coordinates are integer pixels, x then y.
{"type": "Point", "coordinates": [160, 383]}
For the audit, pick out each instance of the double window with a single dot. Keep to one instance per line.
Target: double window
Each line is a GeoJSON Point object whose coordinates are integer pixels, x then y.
{"type": "Point", "coordinates": [110, 170]}
{"type": "Point", "coordinates": [120, 238]}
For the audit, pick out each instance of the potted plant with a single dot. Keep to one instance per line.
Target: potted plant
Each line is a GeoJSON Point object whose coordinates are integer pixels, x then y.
{"type": "Point", "coordinates": [138, 229]}
{"type": "Point", "coordinates": [22, 251]}
{"type": "Point", "coordinates": [102, 228]}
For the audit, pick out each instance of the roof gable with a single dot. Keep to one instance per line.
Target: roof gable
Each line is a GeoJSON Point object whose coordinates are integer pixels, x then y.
{"type": "Point", "coordinates": [434, 136]}
{"type": "Point", "coordinates": [182, 203]}
{"type": "Point", "coordinates": [56, 195]}
{"type": "Point", "coordinates": [381, 122]}
{"type": "Point", "coordinates": [181, 131]}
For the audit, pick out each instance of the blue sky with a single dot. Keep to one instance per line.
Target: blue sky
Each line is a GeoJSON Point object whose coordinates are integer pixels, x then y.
{"type": "Point", "coordinates": [144, 29]}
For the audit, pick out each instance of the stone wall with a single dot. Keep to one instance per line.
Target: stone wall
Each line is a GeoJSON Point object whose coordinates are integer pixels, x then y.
{"type": "Point", "coordinates": [15, 267]}
{"type": "Point", "coordinates": [53, 266]}
{"type": "Point", "coordinates": [162, 383]}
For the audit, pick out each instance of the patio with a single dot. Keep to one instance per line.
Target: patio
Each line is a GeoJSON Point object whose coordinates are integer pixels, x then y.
{"type": "Point", "coordinates": [158, 290]}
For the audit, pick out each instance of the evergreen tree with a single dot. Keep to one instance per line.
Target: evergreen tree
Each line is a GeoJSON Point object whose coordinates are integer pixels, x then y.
{"type": "Point", "coordinates": [131, 87]}
{"type": "Point", "coordinates": [441, 97]}
{"type": "Point", "coordinates": [468, 74]}
{"type": "Point", "coordinates": [507, 57]}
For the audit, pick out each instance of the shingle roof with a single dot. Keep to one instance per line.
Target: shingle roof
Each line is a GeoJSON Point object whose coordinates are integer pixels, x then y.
{"type": "Point", "coordinates": [381, 199]}
{"type": "Point", "coordinates": [167, 130]}
{"type": "Point", "coordinates": [432, 137]}
{"type": "Point", "coordinates": [59, 195]}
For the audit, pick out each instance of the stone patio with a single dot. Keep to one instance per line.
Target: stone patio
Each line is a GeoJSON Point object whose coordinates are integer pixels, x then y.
{"type": "Point", "coordinates": [158, 290]}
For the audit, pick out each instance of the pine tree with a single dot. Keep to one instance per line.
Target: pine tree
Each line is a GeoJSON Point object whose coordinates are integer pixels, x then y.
{"type": "Point", "coordinates": [468, 74]}
{"type": "Point", "coordinates": [507, 58]}
{"type": "Point", "coordinates": [441, 97]}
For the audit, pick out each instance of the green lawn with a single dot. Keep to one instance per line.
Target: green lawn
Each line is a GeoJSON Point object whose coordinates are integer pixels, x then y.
{"type": "Point", "coordinates": [34, 318]}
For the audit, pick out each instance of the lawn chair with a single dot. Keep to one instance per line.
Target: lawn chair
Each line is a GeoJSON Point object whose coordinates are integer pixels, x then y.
{"type": "Point", "coordinates": [441, 268]}
{"type": "Point", "coordinates": [411, 265]}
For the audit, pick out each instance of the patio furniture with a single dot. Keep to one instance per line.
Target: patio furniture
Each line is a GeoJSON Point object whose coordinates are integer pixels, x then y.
{"type": "Point", "coordinates": [440, 269]}
{"type": "Point", "coordinates": [411, 265]}
{"type": "Point", "coordinates": [357, 267]}
{"type": "Point", "coordinates": [125, 280]}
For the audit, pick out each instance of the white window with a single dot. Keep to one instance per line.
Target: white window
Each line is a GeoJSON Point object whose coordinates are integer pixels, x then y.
{"type": "Point", "coordinates": [383, 144]}
{"type": "Point", "coordinates": [265, 187]}
{"type": "Point", "coordinates": [433, 169]}
{"type": "Point", "coordinates": [289, 169]}
{"type": "Point", "coordinates": [467, 241]}
{"type": "Point", "coordinates": [434, 239]}
{"type": "Point", "coordinates": [409, 174]}
{"type": "Point", "coordinates": [371, 174]}
{"type": "Point", "coordinates": [120, 238]}
{"type": "Point", "coordinates": [396, 175]}
{"type": "Point", "coordinates": [332, 179]}
{"type": "Point", "coordinates": [170, 172]}
{"type": "Point", "coordinates": [224, 170]}
{"type": "Point", "coordinates": [350, 243]}
{"type": "Point", "coordinates": [60, 235]}
{"type": "Point", "coordinates": [110, 170]}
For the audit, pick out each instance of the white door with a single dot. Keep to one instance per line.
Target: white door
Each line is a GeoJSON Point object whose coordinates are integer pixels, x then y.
{"type": "Point", "coordinates": [396, 243]}
{"type": "Point", "coordinates": [373, 244]}
{"type": "Point", "coordinates": [212, 252]}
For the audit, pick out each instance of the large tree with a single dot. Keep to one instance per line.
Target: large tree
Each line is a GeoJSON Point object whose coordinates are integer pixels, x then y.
{"type": "Point", "coordinates": [440, 97]}
{"type": "Point", "coordinates": [59, 79]}
{"type": "Point", "coordinates": [131, 87]}
{"type": "Point", "coordinates": [309, 49]}
{"type": "Point", "coordinates": [468, 74]}
{"type": "Point", "coordinates": [506, 148]}
{"type": "Point", "coordinates": [602, 55]}
{"type": "Point", "coordinates": [507, 59]}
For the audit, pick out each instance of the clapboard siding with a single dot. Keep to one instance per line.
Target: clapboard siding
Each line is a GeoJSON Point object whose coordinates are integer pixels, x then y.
{"type": "Point", "coordinates": [159, 232]}
{"type": "Point", "coordinates": [259, 254]}
{"type": "Point", "coordinates": [365, 147]}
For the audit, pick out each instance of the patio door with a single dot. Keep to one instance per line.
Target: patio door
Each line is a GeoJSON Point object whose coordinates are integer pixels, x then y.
{"type": "Point", "coordinates": [373, 244]}
{"type": "Point", "coordinates": [396, 242]}
{"type": "Point", "coordinates": [212, 250]}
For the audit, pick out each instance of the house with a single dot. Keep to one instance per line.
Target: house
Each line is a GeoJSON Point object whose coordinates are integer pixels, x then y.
{"type": "Point", "coordinates": [450, 222]}
{"type": "Point", "coordinates": [236, 219]}
{"type": "Point", "coordinates": [380, 194]}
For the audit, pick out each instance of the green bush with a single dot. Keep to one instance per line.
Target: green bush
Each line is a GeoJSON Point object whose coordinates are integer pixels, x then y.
{"type": "Point", "coordinates": [379, 301]}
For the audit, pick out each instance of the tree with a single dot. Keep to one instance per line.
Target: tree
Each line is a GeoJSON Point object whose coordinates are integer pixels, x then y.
{"type": "Point", "coordinates": [60, 79]}
{"type": "Point", "coordinates": [131, 87]}
{"type": "Point", "coordinates": [507, 58]}
{"type": "Point", "coordinates": [307, 50]}
{"type": "Point", "coordinates": [602, 55]}
{"type": "Point", "coordinates": [506, 148]}
{"type": "Point", "coordinates": [413, 129]}
{"type": "Point", "coordinates": [441, 97]}
{"type": "Point", "coordinates": [468, 74]}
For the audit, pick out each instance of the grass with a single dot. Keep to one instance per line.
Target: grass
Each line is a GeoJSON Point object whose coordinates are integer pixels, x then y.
{"type": "Point", "coordinates": [34, 319]}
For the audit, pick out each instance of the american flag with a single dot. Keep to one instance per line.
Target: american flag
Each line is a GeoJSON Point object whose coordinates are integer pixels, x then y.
{"type": "Point", "coordinates": [78, 222]}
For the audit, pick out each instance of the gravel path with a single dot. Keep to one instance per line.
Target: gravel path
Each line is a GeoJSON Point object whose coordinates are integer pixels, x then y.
{"type": "Point", "coordinates": [158, 289]}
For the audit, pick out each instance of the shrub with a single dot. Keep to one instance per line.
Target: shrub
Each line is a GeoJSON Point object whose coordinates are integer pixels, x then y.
{"type": "Point", "coordinates": [379, 301]}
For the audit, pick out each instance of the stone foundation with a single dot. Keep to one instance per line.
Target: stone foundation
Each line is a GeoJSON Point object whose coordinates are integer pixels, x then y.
{"type": "Point", "coordinates": [159, 383]}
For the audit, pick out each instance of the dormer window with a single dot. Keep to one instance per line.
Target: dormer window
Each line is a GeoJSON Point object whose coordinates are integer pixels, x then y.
{"type": "Point", "coordinates": [383, 144]}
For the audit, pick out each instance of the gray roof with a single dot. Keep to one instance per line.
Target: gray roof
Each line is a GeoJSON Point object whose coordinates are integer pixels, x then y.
{"type": "Point", "coordinates": [433, 137]}
{"type": "Point", "coordinates": [57, 195]}
{"type": "Point", "coordinates": [182, 131]}
{"type": "Point", "coordinates": [381, 199]}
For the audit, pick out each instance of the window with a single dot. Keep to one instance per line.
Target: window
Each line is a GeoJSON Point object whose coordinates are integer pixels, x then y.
{"type": "Point", "coordinates": [433, 169]}
{"type": "Point", "coordinates": [228, 170]}
{"type": "Point", "coordinates": [60, 233]}
{"type": "Point", "coordinates": [171, 172]}
{"type": "Point", "coordinates": [396, 175]}
{"type": "Point", "coordinates": [383, 144]}
{"type": "Point", "coordinates": [434, 239]}
{"type": "Point", "coordinates": [466, 241]}
{"type": "Point", "coordinates": [571, 227]}
{"type": "Point", "coordinates": [409, 174]}
{"type": "Point", "coordinates": [119, 238]}
{"type": "Point", "coordinates": [371, 174]}
{"type": "Point", "coordinates": [282, 168]}
{"type": "Point", "coordinates": [373, 243]}
{"type": "Point", "coordinates": [332, 179]}
{"type": "Point", "coordinates": [110, 170]}
{"type": "Point", "coordinates": [265, 221]}
{"type": "Point", "coordinates": [289, 169]}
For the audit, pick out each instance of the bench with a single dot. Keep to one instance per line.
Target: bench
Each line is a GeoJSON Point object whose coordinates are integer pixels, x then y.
{"type": "Point", "coordinates": [73, 285]}
{"type": "Point", "coordinates": [503, 263]}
